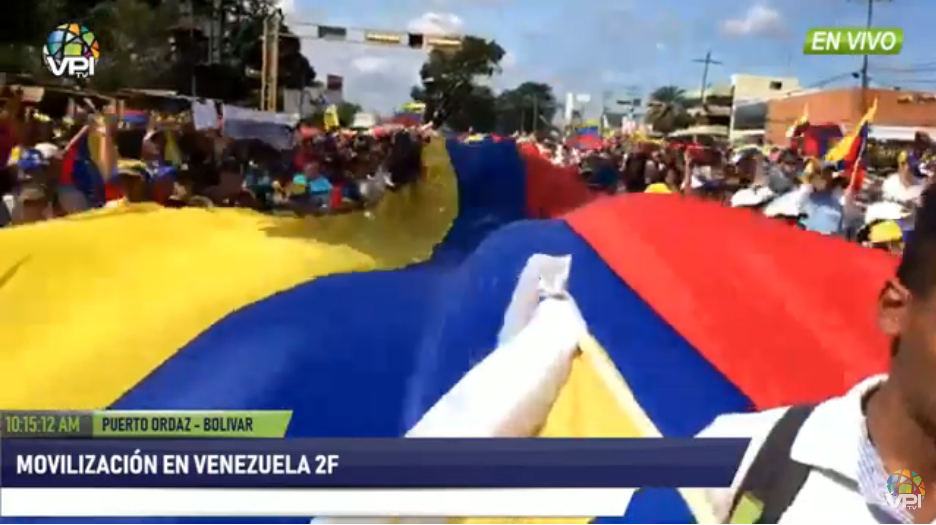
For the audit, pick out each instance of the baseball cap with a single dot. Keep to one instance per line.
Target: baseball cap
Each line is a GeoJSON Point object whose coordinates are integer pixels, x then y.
{"type": "Point", "coordinates": [31, 159]}
{"type": "Point", "coordinates": [787, 205]}
{"type": "Point", "coordinates": [132, 168]}
{"type": "Point", "coordinates": [47, 149]}
{"type": "Point", "coordinates": [658, 188]}
{"type": "Point", "coordinates": [885, 231]}
{"type": "Point", "coordinates": [751, 197]}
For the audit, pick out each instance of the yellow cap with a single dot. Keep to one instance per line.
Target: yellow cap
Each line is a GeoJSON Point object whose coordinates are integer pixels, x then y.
{"type": "Point", "coordinates": [658, 187]}
{"type": "Point", "coordinates": [903, 157]}
{"type": "Point", "coordinates": [885, 231]}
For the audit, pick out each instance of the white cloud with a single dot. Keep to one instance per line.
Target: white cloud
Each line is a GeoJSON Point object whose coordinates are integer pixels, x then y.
{"type": "Point", "coordinates": [760, 19]}
{"type": "Point", "coordinates": [372, 64]}
{"type": "Point", "coordinates": [437, 24]}
{"type": "Point", "coordinates": [660, 46]}
{"type": "Point", "coordinates": [509, 61]}
{"type": "Point", "coordinates": [288, 6]}
{"type": "Point", "coordinates": [378, 78]}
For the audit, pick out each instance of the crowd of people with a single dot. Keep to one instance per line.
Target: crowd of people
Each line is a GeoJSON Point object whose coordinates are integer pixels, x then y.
{"type": "Point", "coordinates": [338, 171]}
{"type": "Point", "coordinates": [780, 182]}
{"type": "Point", "coordinates": [47, 174]}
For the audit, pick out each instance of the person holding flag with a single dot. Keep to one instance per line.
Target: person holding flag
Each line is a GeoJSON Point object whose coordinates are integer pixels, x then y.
{"type": "Point", "coordinates": [904, 186]}
{"type": "Point", "coordinates": [829, 199]}
{"type": "Point", "coordinates": [331, 121]}
{"type": "Point", "coordinates": [798, 129]}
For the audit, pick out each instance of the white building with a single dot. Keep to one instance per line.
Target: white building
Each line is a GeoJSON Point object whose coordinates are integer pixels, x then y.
{"type": "Point", "coordinates": [749, 103]}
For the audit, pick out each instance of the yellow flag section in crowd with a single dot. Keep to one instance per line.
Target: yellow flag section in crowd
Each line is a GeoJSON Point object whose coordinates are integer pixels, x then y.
{"type": "Point", "coordinates": [548, 378]}
{"type": "Point", "coordinates": [331, 121]}
{"type": "Point", "coordinates": [92, 303]}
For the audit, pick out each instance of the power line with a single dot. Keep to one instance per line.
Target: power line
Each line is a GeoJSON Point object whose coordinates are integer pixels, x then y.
{"type": "Point", "coordinates": [835, 78]}
{"type": "Point", "coordinates": [909, 68]}
{"type": "Point", "coordinates": [917, 81]}
{"type": "Point", "coordinates": [905, 74]}
{"type": "Point", "coordinates": [708, 62]}
{"type": "Point", "coordinates": [865, 81]}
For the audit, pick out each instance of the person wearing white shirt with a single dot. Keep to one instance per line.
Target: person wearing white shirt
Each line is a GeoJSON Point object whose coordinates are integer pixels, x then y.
{"type": "Point", "coordinates": [903, 186]}
{"type": "Point", "coordinates": [831, 463]}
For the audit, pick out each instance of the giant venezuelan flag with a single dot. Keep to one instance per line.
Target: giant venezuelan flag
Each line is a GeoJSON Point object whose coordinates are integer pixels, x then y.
{"type": "Point", "coordinates": [362, 324]}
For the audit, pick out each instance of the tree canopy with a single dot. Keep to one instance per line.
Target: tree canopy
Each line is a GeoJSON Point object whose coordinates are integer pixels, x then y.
{"type": "Point", "coordinates": [346, 112]}
{"type": "Point", "coordinates": [666, 111]}
{"type": "Point", "coordinates": [157, 44]}
{"type": "Point", "coordinates": [529, 107]}
{"type": "Point", "coordinates": [451, 89]}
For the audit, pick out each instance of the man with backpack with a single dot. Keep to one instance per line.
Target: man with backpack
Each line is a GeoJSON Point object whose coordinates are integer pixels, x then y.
{"type": "Point", "coordinates": [866, 456]}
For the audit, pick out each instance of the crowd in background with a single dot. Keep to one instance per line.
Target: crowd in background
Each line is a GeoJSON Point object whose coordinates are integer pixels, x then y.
{"type": "Point", "coordinates": [322, 172]}
{"type": "Point", "coordinates": [178, 166]}
{"type": "Point", "coordinates": [875, 209]}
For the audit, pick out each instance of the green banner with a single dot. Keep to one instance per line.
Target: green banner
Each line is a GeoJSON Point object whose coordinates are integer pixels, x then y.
{"type": "Point", "coordinates": [853, 41]}
{"type": "Point", "coordinates": [192, 423]}
{"type": "Point", "coordinates": [44, 424]}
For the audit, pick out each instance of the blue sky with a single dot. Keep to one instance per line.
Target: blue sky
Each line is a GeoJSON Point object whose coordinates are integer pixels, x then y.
{"type": "Point", "coordinates": [596, 46]}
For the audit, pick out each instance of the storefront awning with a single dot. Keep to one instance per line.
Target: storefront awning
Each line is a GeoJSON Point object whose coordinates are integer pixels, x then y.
{"type": "Point", "coordinates": [898, 133]}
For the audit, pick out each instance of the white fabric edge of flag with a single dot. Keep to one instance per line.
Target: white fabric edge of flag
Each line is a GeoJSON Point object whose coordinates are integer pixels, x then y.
{"type": "Point", "coordinates": [101, 502]}
{"type": "Point", "coordinates": [529, 367]}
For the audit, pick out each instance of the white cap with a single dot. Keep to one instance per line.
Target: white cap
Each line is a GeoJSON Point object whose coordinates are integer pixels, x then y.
{"type": "Point", "coordinates": [750, 197]}
{"type": "Point", "coordinates": [885, 211]}
{"type": "Point", "coordinates": [47, 149]}
{"type": "Point", "coordinates": [786, 205]}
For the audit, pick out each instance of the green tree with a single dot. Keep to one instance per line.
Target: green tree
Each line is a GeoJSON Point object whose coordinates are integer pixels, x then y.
{"type": "Point", "coordinates": [450, 87]}
{"type": "Point", "coordinates": [137, 52]}
{"type": "Point", "coordinates": [135, 47]}
{"type": "Point", "coordinates": [666, 111]}
{"type": "Point", "coordinates": [245, 43]}
{"type": "Point", "coordinates": [346, 112]}
{"type": "Point", "coordinates": [529, 107]}
{"type": "Point", "coordinates": [476, 111]}
{"type": "Point", "coordinates": [237, 78]}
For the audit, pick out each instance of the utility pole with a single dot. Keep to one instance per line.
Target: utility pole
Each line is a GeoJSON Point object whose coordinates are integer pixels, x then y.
{"type": "Point", "coordinates": [707, 61]}
{"type": "Point", "coordinates": [264, 63]}
{"type": "Point", "coordinates": [865, 80]}
{"type": "Point", "coordinates": [269, 90]}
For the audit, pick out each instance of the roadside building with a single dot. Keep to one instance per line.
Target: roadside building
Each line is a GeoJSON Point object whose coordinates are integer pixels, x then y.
{"type": "Point", "coordinates": [750, 95]}
{"type": "Point", "coordinates": [900, 114]}
{"type": "Point", "coordinates": [710, 111]}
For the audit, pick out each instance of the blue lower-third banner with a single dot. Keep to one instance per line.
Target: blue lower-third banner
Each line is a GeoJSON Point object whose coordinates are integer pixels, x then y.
{"type": "Point", "coordinates": [371, 463]}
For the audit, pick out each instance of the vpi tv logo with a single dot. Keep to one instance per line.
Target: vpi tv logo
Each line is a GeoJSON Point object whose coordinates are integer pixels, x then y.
{"type": "Point", "coordinates": [904, 490]}
{"type": "Point", "coordinates": [71, 51]}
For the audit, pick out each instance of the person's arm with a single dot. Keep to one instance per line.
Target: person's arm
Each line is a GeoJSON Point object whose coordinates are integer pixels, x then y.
{"type": "Point", "coordinates": [74, 140]}
{"type": "Point", "coordinates": [686, 187]}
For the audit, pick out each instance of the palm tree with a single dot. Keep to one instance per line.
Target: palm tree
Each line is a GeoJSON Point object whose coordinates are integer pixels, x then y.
{"type": "Point", "coordinates": [668, 95]}
{"type": "Point", "coordinates": [666, 112]}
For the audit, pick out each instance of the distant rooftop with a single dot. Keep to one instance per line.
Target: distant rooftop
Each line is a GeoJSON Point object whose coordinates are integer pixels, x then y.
{"type": "Point", "coordinates": [718, 90]}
